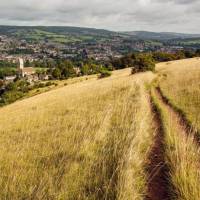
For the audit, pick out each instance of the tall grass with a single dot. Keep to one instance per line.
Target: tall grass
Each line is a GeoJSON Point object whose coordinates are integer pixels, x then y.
{"type": "Point", "coordinates": [180, 83]}
{"type": "Point", "coordinates": [89, 140]}
{"type": "Point", "coordinates": [182, 156]}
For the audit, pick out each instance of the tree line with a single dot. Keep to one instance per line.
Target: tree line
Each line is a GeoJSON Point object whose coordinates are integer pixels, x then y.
{"type": "Point", "coordinates": [63, 69]}
{"type": "Point", "coordinates": [141, 62]}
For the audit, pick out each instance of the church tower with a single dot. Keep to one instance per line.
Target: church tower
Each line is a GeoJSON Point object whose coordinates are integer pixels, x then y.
{"type": "Point", "coordinates": [21, 63]}
{"type": "Point", "coordinates": [21, 67]}
{"type": "Point", "coordinates": [25, 71]}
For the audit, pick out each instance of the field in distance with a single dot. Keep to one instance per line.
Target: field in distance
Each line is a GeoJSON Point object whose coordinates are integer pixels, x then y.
{"type": "Point", "coordinates": [122, 137]}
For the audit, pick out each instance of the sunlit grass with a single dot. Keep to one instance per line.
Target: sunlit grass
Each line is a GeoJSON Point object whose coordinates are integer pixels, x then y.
{"type": "Point", "coordinates": [182, 156]}
{"type": "Point", "coordinates": [88, 140]}
{"type": "Point", "coordinates": [180, 83]}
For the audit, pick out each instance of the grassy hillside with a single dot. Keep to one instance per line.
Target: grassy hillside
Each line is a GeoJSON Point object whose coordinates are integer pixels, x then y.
{"type": "Point", "coordinates": [58, 34]}
{"type": "Point", "coordinates": [180, 82]}
{"type": "Point", "coordinates": [82, 141]}
{"type": "Point", "coordinates": [119, 138]}
{"type": "Point", "coordinates": [67, 34]}
{"type": "Point", "coordinates": [177, 100]}
{"type": "Point", "coordinates": [146, 35]}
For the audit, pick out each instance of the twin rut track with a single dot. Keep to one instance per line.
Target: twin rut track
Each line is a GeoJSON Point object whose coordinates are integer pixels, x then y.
{"type": "Point", "coordinates": [158, 184]}
{"type": "Point", "coordinates": [157, 170]}
{"type": "Point", "coordinates": [181, 119]}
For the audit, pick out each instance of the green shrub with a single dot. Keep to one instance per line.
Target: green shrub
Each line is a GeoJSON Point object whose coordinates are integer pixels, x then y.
{"type": "Point", "coordinates": [104, 74]}
{"type": "Point", "coordinates": [11, 96]}
{"type": "Point", "coordinates": [163, 56]}
{"type": "Point", "coordinates": [41, 85]}
{"type": "Point", "coordinates": [142, 63]}
{"type": "Point", "coordinates": [1, 84]}
{"type": "Point", "coordinates": [49, 83]}
{"type": "Point", "coordinates": [56, 74]}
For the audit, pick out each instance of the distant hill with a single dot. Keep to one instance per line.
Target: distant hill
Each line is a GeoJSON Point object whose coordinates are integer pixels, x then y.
{"type": "Point", "coordinates": [67, 34]}
{"type": "Point", "coordinates": [56, 29]}
{"type": "Point", "coordinates": [160, 36]}
{"type": "Point", "coordinates": [57, 33]}
{"type": "Point", "coordinates": [190, 42]}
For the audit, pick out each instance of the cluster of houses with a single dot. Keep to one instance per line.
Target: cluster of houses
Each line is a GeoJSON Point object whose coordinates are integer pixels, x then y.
{"type": "Point", "coordinates": [27, 73]}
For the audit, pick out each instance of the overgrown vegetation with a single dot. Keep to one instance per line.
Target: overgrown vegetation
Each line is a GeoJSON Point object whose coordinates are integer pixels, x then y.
{"type": "Point", "coordinates": [7, 69]}
{"type": "Point", "coordinates": [18, 89]}
{"type": "Point", "coordinates": [141, 62]}
{"type": "Point", "coordinates": [104, 73]}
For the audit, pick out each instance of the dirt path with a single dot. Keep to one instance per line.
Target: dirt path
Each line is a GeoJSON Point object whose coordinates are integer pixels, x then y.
{"type": "Point", "coordinates": [158, 172]}
{"type": "Point", "coordinates": [183, 124]}
{"type": "Point", "coordinates": [159, 185]}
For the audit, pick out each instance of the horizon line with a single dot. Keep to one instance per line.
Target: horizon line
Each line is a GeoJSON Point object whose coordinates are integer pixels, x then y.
{"type": "Point", "coordinates": [101, 29]}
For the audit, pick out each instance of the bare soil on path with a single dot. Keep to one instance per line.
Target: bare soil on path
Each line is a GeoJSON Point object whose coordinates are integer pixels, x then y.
{"type": "Point", "coordinates": [157, 170]}
{"type": "Point", "coordinates": [183, 124]}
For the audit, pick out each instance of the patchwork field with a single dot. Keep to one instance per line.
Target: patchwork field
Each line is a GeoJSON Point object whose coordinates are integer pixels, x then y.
{"type": "Point", "coordinates": [124, 137]}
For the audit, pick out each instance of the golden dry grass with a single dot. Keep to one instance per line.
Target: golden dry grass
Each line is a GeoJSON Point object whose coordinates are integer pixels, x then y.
{"type": "Point", "coordinates": [182, 155]}
{"type": "Point", "coordinates": [91, 139]}
{"type": "Point", "coordinates": [88, 140]}
{"type": "Point", "coordinates": [59, 84]}
{"type": "Point", "coordinates": [180, 82]}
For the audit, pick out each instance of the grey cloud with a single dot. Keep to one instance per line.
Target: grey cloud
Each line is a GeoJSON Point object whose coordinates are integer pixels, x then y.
{"type": "Point", "coordinates": [178, 1]}
{"type": "Point", "coordinates": [153, 15]}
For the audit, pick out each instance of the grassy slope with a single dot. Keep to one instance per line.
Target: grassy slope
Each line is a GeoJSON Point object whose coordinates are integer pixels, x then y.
{"type": "Point", "coordinates": [59, 84]}
{"type": "Point", "coordinates": [91, 139]}
{"type": "Point", "coordinates": [82, 141]}
{"type": "Point", "coordinates": [182, 155]}
{"type": "Point", "coordinates": [57, 34]}
{"type": "Point", "coordinates": [180, 82]}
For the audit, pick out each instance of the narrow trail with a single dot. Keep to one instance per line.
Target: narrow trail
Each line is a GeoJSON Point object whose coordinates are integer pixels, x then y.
{"type": "Point", "coordinates": [157, 170]}
{"type": "Point", "coordinates": [182, 123]}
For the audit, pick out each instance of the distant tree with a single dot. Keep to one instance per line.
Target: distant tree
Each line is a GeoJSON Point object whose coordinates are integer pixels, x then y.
{"type": "Point", "coordinates": [104, 73]}
{"type": "Point", "coordinates": [142, 63]}
{"type": "Point", "coordinates": [68, 71]}
{"type": "Point", "coordinates": [56, 73]}
{"type": "Point", "coordinates": [6, 64]}
{"type": "Point", "coordinates": [197, 52]}
{"type": "Point", "coordinates": [124, 62]}
{"type": "Point", "coordinates": [1, 84]}
{"type": "Point", "coordinates": [189, 54]}
{"type": "Point", "coordinates": [163, 56]}
{"type": "Point", "coordinates": [180, 55]}
{"type": "Point", "coordinates": [7, 72]}
{"type": "Point", "coordinates": [11, 96]}
{"type": "Point", "coordinates": [40, 71]}
{"type": "Point", "coordinates": [27, 63]}
{"type": "Point", "coordinates": [85, 69]}
{"type": "Point", "coordinates": [11, 86]}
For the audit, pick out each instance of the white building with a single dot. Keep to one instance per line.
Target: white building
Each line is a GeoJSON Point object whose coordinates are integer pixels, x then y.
{"type": "Point", "coordinates": [25, 71]}
{"type": "Point", "coordinates": [9, 79]}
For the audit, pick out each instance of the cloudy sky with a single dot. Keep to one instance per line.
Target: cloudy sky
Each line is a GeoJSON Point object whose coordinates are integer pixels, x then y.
{"type": "Point", "coordinates": [120, 15]}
